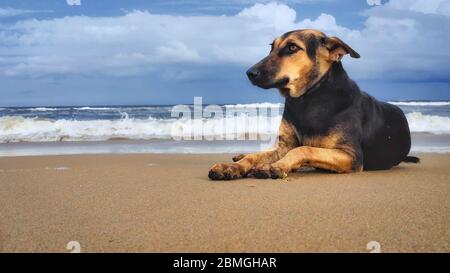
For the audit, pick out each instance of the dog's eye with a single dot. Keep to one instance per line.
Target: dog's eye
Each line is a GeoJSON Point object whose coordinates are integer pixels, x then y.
{"type": "Point", "coordinates": [293, 48]}
{"type": "Point", "coordinates": [289, 49]}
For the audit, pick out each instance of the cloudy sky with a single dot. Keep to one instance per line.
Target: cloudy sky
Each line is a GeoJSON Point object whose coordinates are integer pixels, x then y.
{"type": "Point", "coordinates": [90, 52]}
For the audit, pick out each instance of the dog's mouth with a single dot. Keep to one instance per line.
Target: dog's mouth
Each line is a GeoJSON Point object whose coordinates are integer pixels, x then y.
{"type": "Point", "coordinates": [280, 84]}
{"type": "Point", "coordinates": [284, 91]}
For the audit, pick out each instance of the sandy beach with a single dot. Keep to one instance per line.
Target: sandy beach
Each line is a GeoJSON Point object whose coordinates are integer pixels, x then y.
{"type": "Point", "coordinates": [165, 203]}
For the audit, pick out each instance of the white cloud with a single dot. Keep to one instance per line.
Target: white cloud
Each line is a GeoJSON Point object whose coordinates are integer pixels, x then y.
{"type": "Point", "coordinates": [73, 2]}
{"type": "Point", "coordinates": [278, 15]}
{"type": "Point", "coordinates": [139, 42]}
{"type": "Point", "coordinates": [373, 2]}
{"type": "Point", "coordinates": [7, 12]}
{"type": "Point", "coordinates": [424, 6]}
{"type": "Point", "coordinates": [10, 12]}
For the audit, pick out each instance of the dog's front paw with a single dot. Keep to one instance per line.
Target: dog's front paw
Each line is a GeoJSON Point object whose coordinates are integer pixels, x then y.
{"type": "Point", "coordinates": [277, 172]}
{"type": "Point", "coordinates": [226, 171]}
{"type": "Point", "coordinates": [268, 171]}
{"type": "Point", "coordinates": [261, 171]}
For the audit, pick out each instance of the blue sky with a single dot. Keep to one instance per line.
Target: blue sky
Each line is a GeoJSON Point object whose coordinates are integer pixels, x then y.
{"type": "Point", "coordinates": [166, 52]}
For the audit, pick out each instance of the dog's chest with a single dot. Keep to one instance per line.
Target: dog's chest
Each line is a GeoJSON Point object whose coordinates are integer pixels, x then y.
{"type": "Point", "coordinates": [315, 124]}
{"type": "Point", "coordinates": [309, 120]}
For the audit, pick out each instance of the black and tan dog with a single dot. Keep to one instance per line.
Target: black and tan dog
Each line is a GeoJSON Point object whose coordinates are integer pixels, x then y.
{"type": "Point", "coordinates": [328, 123]}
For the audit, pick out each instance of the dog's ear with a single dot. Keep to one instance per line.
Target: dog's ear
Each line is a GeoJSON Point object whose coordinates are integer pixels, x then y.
{"type": "Point", "coordinates": [337, 49]}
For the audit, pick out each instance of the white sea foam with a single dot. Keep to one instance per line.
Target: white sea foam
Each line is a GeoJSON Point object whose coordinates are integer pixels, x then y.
{"type": "Point", "coordinates": [430, 149]}
{"type": "Point", "coordinates": [419, 122]}
{"type": "Point", "coordinates": [420, 103]}
{"type": "Point", "coordinates": [17, 128]}
{"type": "Point", "coordinates": [42, 109]}
{"type": "Point", "coordinates": [256, 105]}
{"type": "Point", "coordinates": [87, 108]}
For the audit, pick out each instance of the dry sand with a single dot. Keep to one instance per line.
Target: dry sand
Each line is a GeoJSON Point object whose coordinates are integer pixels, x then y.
{"type": "Point", "coordinates": [165, 203]}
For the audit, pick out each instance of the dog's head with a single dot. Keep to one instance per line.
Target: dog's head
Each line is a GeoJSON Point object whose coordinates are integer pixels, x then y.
{"type": "Point", "coordinates": [297, 60]}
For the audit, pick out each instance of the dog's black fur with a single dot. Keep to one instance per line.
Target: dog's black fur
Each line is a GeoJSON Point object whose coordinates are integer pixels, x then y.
{"type": "Point", "coordinates": [377, 132]}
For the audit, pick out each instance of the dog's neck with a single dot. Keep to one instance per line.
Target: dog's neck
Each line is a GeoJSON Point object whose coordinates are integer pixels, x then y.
{"type": "Point", "coordinates": [335, 78]}
{"type": "Point", "coordinates": [315, 86]}
{"type": "Point", "coordinates": [334, 91]}
{"type": "Point", "coordinates": [336, 73]}
{"type": "Point", "coordinates": [313, 111]}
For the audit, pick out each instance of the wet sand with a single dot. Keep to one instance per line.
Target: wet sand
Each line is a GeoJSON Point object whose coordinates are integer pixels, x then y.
{"type": "Point", "coordinates": [165, 203]}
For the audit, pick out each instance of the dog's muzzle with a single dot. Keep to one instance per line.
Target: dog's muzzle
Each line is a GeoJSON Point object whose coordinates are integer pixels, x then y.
{"type": "Point", "coordinates": [253, 74]}
{"type": "Point", "coordinates": [264, 79]}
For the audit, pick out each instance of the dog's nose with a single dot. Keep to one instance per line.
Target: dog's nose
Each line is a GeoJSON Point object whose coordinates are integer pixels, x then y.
{"type": "Point", "coordinates": [253, 73]}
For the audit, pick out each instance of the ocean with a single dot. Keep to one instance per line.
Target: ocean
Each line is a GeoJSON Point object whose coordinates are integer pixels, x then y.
{"type": "Point", "coordinates": [164, 129]}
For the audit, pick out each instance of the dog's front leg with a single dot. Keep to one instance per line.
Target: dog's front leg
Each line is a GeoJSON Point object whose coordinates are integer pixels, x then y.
{"type": "Point", "coordinates": [238, 169]}
{"type": "Point", "coordinates": [329, 159]}
{"type": "Point", "coordinates": [243, 164]}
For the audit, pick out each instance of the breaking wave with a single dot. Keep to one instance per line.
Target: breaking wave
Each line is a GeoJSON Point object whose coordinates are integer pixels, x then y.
{"type": "Point", "coordinates": [18, 129]}
{"type": "Point", "coordinates": [419, 122]}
